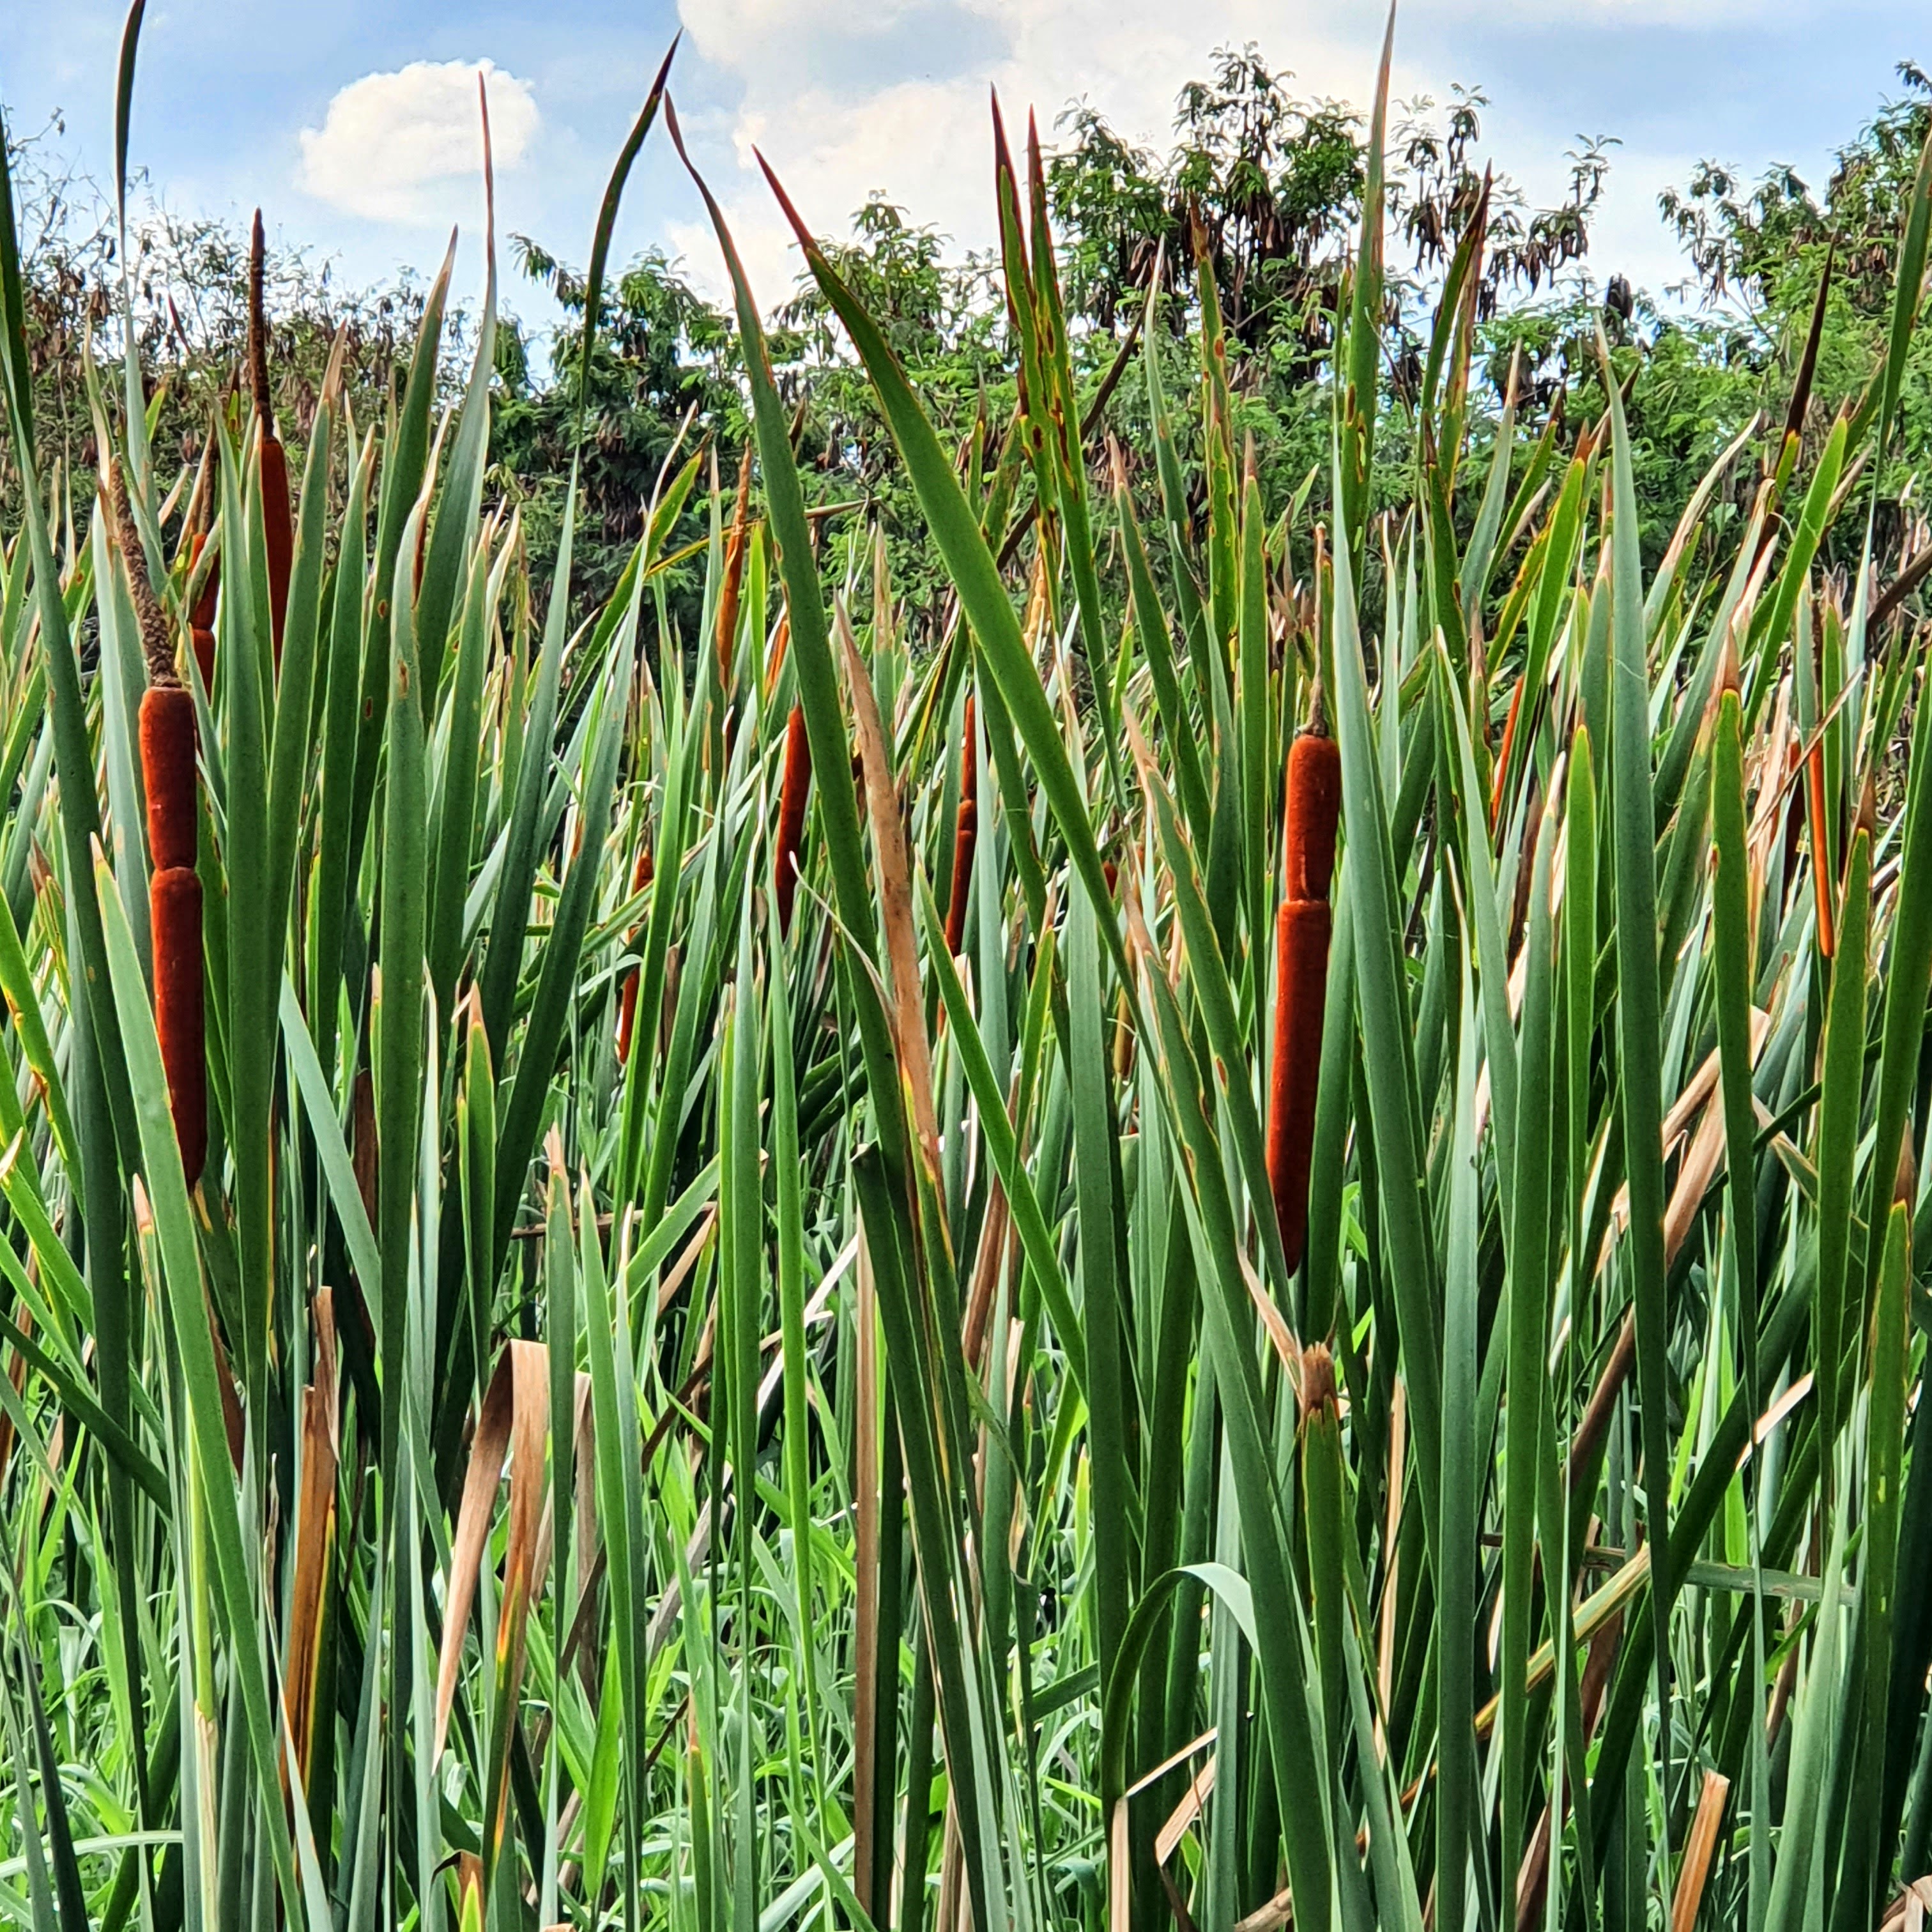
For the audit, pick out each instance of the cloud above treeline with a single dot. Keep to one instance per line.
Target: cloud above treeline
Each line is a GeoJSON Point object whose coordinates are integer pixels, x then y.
{"type": "Point", "coordinates": [388, 142]}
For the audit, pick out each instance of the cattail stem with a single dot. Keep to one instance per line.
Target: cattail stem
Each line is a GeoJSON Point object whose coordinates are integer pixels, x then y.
{"type": "Point", "coordinates": [1302, 931]}
{"type": "Point", "coordinates": [965, 835]}
{"type": "Point", "coordinates": [793, 794]}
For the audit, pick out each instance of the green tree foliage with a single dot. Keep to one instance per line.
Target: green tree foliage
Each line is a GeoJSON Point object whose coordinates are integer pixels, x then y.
{"type": "Point", "coordinates": [661, 377]}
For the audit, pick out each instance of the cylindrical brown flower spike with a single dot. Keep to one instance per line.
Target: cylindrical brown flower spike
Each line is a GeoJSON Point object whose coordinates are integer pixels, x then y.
{"type": "Point", "coordinates": [965, 836]}
{"type": "Point", "coordinates": [277, 525]}
{"type": "Point", "coordinates": [1314, 809]}
{"type": "Point", "coordinates": [174, 915]}
{"type": "Point", "coordinates": [167, 776]}
{"type": "Point", "coordinates": [627, 1001]}
{"type": "Point", "coordinates": [201, 618]}
{"type": "Point", "coordinates": [1302, 930]}
{"type": "Point", "coordinates": [793, 793]}
{"type": "Point", "coordinates": [167, 736]}
{"type": "Point", "coordinates": [1821, 862]}
{"type": "Point", "coordinates": [734, 571]}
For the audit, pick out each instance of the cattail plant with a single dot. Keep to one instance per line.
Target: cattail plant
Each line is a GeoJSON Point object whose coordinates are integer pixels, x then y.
{"type": "Point", "coordinates": [627, 1001]}
{"type": "Point", "coordinates": [167, 738]}
{"type": "Point", "coordinates": [201, 614]}
{"type": "Point", "coordinates": [868, 1464]}
{"type": "Point", "coordinates": [1302, 930]}
{"type": "Point", "coordinates": [730, 596]}
{"type": "Point", "coordinates": [794, 791]}
{"type": "Point", "coordinates": [965, 834]}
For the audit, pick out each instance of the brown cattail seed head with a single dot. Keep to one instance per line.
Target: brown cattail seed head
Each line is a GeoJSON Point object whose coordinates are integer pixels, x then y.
{"type": "Point", "coordinates": [734, 570]}
{"type": "Point", "coordinates": [174, 911]}
{"type": "Point", "coordinates": [1314, 805]}
{"type": "Point", "coordinates": [627, 1003]}
{"type": "Point", "coordinates": [167, 774]}
{"type": "Point", "coordinates": [793, 793]}
{"type": "Point", "coordinates": [965, 837]}
{"type": "Point", "coordinates": [202, 615]}
{"type": "Point", "coordinates": [277, 531]}
{"type": "Point", "coordinates": [1302, 932]}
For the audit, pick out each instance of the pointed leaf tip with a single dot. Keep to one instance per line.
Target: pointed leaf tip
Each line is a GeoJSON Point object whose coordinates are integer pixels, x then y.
{"type": "Point", "coordinates": [790, 212]}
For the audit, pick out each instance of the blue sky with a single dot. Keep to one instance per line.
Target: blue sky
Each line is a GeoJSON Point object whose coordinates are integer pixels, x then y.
{"type": "Point", "coordinates": [352, 124]}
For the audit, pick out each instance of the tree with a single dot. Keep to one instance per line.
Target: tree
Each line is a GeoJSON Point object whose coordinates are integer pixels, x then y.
{"type": "Point", "coordinates": [1756, 253]}
{"type": "Point", "coordinates": [661, 381]}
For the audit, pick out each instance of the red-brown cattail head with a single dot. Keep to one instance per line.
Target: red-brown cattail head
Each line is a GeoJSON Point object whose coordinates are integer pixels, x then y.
{"type": "Point", "coordinates": [168, 777]}
{"type": "Point", "coordinates": [1301, 991]}
{"type": "Point", "coordinates": [1821, 864]}
{"type": "Point", "coordinates": [965, 836]}
{"type": "Point", "coordinates": [174, 892]}
{"type": "Point", "coordinates": [1503, 756]}
{"type": "Point", "coordinates": [734, 570]}
{"type": "Point", "coordinates": [627, 1015]}
{"type": "Point", "coordinates": [277, 535]}
{"type": "Point", "coordinates": [1313, 808]}
{"type": "Point", "coordinates": [627, 1001]}
{"type": "Point", "coordinates": [174, 912]}
{"type": "Point", "coordinates": [793, 793]}
{"type": "Point", "coordinates": [201, 615]}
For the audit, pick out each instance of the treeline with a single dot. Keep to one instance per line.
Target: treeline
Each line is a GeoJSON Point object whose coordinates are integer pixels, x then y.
{"type": "Point", "coordinates": [1259, 189]}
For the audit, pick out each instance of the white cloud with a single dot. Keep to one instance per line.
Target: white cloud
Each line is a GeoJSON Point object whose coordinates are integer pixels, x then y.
{"type": "Point", "coordinates": [389, 141]}
{"type": "Point", "coordinates": [895, 99]}
{"type": "Point", "coordinates": [843, 100]}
